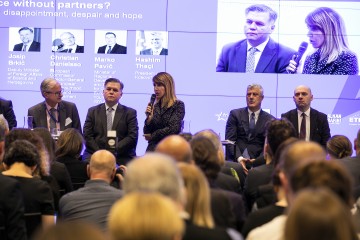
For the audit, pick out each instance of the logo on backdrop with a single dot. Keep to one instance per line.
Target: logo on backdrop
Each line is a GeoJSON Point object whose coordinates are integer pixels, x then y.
{"type": "Point", "coordinates": [334, 119]}
{"type": "Point", "coordinates": [354, 120]}
{"type": "Point", "coordinates": [222, 116]}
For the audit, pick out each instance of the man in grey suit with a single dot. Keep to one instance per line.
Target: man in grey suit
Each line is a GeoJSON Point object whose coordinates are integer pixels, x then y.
{"type": "Point", "coordinates": [316, 126]}
{"type": "Point", "coordinates": [111, 121]}
{"type": "Point", "coordinates": [246, 126]}
{"type": "Point", "coordinates": [54, 113]}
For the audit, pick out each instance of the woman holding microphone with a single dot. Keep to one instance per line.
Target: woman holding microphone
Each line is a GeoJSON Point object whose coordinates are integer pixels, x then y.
{"type": "Point", "coordinates": [165, 114]}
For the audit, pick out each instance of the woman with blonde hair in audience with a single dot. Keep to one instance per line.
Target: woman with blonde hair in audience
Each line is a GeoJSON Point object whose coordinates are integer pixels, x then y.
{"type": "Point", "coordinates": [198, 195]}
{"type": "Point", "coordinates": [145, 216]}
{"type": "Point", "coordinates": [318, 214]}
{"type": "Point", "coordinates": [339, 146]}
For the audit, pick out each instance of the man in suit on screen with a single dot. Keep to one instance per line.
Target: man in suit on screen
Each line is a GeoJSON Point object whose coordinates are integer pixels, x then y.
{"type": "Point", "coordinates": [258, 52]}
{"type": "Point", "coordinates": [54, 113]}
{"type": "Point", "coordinates": [156, 45]}
{"type": "Point", "coordinates": [68, 44]}
{"type": "Point", "coordinates": [28, 44]}
{"type": "Point", "coordinates": [6, 109]}
{"type": "Point", "coordinates": [310, 124]}
{"type": "Point", "coordinates": [112, 119]}
{"type": "Point", "coordinates": [111, 46]}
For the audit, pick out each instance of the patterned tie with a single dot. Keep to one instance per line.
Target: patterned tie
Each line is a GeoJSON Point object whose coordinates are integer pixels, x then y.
{"type": "Point", "coordinates": [109, 50]}
{"type": "Point", "coordinates": [302, 134]}
{"type": "Point", "coordinates": [52, 118]}
{"type": "Point", "coordinates": [109, 118]}
{"type": "Point", "coordinates": [250, 60]}
{"type": "Point", "coordinates": [24, 48]}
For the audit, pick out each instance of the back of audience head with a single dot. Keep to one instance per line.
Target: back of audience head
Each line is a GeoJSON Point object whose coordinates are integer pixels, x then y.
{"type": "Point", "coordinates": [70, 144]}
{"type": "Point", "coordinates": [339, 146]}
{"type": "Point", "coordinates": [4, 129]}
{"type": "Point", "coordinates": [206, 156]}
{"type": "Point", "coordinates": [158, 218]}
{"type": "Point", "coordinates": [278, 130]}
{"type": "Point", "coordinates": [323, 174]}
{"type": "Point", "coordinates": [27, 134]}
{"type": "Point", "coordinates": [155, 172]}
{"type": "Point", "coordinates": [21, 151]}
{"type": "Point", "coordinates": [73, 230]}
{"type": "Point", "coordinates": [186, 135]}
{"type": "Point", "coordinates": [176, 147]}
{"type": "Point", "coordinates": [48, 141]}
{"type": "Point", "coordinates": [198, 195]}
{"type": "Point", "coordinates": [357, 143]}
{"type": "Point", "coordinates": [102, 166]}
{"type": "Point", "coordinates": [318, 214]}
{"type": "Point", "coordinates": [215, 139]}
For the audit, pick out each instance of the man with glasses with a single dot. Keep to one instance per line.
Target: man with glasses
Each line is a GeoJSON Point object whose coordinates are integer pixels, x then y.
{"type": "Point", "coordinates": [68, 44]}
{"type": "Point", "coordinates": [111, 125]}
{"type": "Point", "coordinates": [54, 113]}
{"type": "Point", "coordinates": [156, 45]}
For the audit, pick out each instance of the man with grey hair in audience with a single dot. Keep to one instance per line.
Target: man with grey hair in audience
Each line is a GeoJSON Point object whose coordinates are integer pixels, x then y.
{"type": "Point", "coordinates": [158, 173]}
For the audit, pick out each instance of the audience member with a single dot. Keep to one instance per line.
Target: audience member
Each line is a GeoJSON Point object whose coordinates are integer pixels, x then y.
{"type": "Point", "coordinates": [176, 147]}
{"type": "Point", "coordinates": [159, 219]}
{"type": "Point", "coordinates": [54, 113]}
{"type": "Point", "coordinates": [165, 115]}
{"type": "Point", "coordinates": [69, 147]}
{"type": "Point", "coordinates": [21, 159]}
{"type": "Point", "coordinates": [4, 129]}
{"type": "Point", "coordinates": [6, 110]}
{"type": "Point", "coordinates": [310, 124]}
{"type": "Point", "coordinates": [92, 203]}
{"type": "Point", "coordinates": [258, 52]}
{"type": "Point", "coordinates": [111, 46]}
{"type": "Point", "coordinates": [338, 146]}
{"type": "Point", "coordinates": [119, 119]}
{"type": "Point", "coordinates": [27, 38]}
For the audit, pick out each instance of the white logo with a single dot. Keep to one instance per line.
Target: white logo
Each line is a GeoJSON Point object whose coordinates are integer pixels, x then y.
{"type": "Point", "coordinates": [222, 116]}
{"type": "Point", "coordinates": [334, 119]}
{"type": "Point", "coordinates": [354, 120]}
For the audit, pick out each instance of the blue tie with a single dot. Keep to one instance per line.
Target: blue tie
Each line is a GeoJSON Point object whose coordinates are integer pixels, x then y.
{"type": "Point", "coordinates": [252, 123]}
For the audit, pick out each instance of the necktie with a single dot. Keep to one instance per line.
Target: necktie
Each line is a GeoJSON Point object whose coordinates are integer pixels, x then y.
{"type": "Point", "coordinates": [252, 122]}
{"type": "Point", "coordinates": [24, 48]}
{"type": "Point", "coordinates": [250, 60]}
{"type": "Point", "coordinates": [69, 50]}
{"type": "Point", "coordinates": [109, 49]}
{"type": "Point", "coordinates": [109, 118]}
{"type": "Point", "coordinates": [302, 134]}
{"type": "Point", "coordinates": [52, 118]}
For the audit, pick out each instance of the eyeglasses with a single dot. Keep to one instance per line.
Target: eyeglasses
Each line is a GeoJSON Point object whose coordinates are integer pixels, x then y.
{"type": "Point", "coordinates": [56, 93]}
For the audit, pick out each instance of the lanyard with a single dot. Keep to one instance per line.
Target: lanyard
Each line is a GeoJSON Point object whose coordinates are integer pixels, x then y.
{"type": "Point", "coordinates": [53, 117]}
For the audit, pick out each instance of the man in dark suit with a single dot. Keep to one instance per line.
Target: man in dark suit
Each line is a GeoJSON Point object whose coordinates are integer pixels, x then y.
{"type": "Point", "coordinates": [246, 126]}
{"type": "Point", "coordinates": [54, 113]}
{"type": "Point", "coordinates": [112, 118]}
{"type": "Point", "coordinates": [6, 109]}
{"type": "Point", "coordinates": [309, 123]}
{"type": "Point", "coordinates": [28, 44]}
{"type": "Point", "coordinates": [258, 52]}
{"type": "Point", "coordinates": [157, 45]}
{"type": "Point", "coordinates": [68, 44]}
{"type": "Point", "coordinates": [111, 46]}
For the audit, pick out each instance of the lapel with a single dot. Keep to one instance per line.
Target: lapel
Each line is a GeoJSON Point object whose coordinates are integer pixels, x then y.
{"type": "Point", "coordinates": [102, 115]}
{"type": "Point", "coordinates": [266, 57]}
{"type": "Point", "coordinates": [313, 117]}
{"type": "Point", "coordinates": [245, 120]}
{"type": "Point", "coordinates": [117, 116]}
{"type": "Point", "coordinates": [42, 115]}
{"type": "Point", "coordinates": [62, 116]}
{"type": "Point", "coordinates": [295, 121]}
{"type": "Point", "coordinates": [240, 56]}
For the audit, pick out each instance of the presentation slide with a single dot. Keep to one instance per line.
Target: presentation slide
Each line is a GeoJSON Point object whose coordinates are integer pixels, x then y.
{"type": "Point", "coordinates": [200, 47]}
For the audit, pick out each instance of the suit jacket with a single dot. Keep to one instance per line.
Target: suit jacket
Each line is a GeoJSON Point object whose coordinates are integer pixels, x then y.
{"type": "Point", "coordinates": [67, 110]}
{"type": "Point", "coordinates": [11, 209]}
{"type": "Point", "coordinates": [352, 164]}
{"type": "Point", "coordinates": [34, 47]}
{"type": "Point", "coordinates": [165, 122]}
{"type": "Point", "coordinates": [6, 109]}
{"type": "Point", "coordinates": [117, 49]}
{"type": "Point", "coordinates": [79, 49]}
{"type": "Point", "coordinates": [125, 124]}
{"type": "Point", "coordinates": [149, 51]}
{"type": "Point", "coordinates": [237, 129]}
{"type": "Point", "coordinates": [319, 125]}
{"type": "Point", "coordinates": [274, 59]}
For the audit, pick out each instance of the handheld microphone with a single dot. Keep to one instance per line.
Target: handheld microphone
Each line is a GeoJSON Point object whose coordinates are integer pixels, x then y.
{"type": "Point", "coordinates": [302, 49]}
{"type": "Point", "coordinates": [151, 103]}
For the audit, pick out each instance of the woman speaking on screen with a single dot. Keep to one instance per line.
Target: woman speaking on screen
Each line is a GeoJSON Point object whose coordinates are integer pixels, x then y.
{"type": "Point", "coordinates": [165, 112]}
{"type": "Point", "coordinates": [327, 35]}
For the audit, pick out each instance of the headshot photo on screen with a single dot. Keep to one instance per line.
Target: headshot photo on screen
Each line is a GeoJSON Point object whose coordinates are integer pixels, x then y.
{"type": "Point", "coordinates": [315, 33]}
{"type": "Point", "coordinates": [110, 42]}
{"type": "Point", "coordinates": [29, 37]}
{"type": "Point", "coordinates": [68, 41]}
{"type": "Point", "coordinates": [151, 43]}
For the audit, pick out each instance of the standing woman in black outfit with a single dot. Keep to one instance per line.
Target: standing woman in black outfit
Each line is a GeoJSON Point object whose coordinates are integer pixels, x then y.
{"type": "Point", "coordinates": [165, 115]}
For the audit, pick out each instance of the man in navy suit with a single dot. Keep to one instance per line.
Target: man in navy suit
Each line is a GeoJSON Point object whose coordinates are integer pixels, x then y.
{"type": "Point", "coordinates": [316, 125]}
{"type": "Point", "coordinates": [157, 45]}
{"type": "Point", "coordinates": [112, 117]}
{"type": "Point", "coordinates": [258, 52]}
{"type": "Point", "coordinates": [246, 126]}
{"type": "Point", "coordinates": [28, 44]}
{"type": "Point", "coordinates": [6, 109]}
{"type": "Point", "coordinates": [54, 112]}
{"type": "Point", "coordinates": [111, 46]}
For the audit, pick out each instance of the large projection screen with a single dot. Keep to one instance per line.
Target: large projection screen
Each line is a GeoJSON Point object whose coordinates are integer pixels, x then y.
{"type": "Point", "coordinates": [194, 32]}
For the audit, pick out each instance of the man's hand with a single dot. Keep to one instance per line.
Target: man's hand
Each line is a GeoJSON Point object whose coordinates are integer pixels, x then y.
{"type": "Point", "coordinates": [245, 161]}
